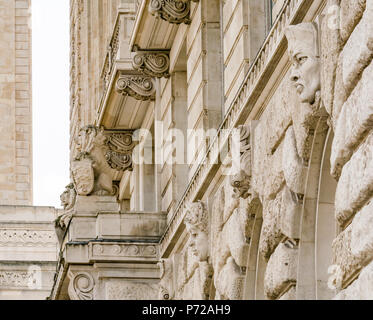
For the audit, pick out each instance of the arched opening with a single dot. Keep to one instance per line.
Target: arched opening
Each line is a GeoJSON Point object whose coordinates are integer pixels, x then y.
{"type": "Point", "coordinates": [326, 227]}
{"type": "Point", "coordinates": [318, 226]}
{"type": "Point", "coordinates": [256, 264]}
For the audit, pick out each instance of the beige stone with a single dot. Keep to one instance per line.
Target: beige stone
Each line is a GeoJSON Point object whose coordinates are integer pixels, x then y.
{"type": "Point", "coordinates": [353, 123]}
{"type": "Point", "coordinates": [355, 184]}
{"type": "Point", "coordinates": [281, 271]}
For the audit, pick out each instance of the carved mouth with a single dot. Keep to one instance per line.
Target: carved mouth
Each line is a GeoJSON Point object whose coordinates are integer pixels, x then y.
{"type": "Point", "coordinates": [299, 88]}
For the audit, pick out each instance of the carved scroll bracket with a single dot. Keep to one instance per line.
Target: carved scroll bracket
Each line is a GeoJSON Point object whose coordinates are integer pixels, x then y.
{"type": "Point", "coordinates": [81, 286]}
{"type": "Point", "coordinates": [137, 86]}
{"type": "Point", "coordinates": [120, 146]}
{"type": "Point", "coordinates": [154, 63]}
{"type": "Point", "coordinates": [173, 11]}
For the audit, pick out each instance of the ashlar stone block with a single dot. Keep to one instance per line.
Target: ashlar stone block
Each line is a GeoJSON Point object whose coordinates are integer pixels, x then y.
{"type": "Point", "coordinates": [354, 122]}
{"type": "Point", "coordinates": [358, 51]}
{"type": "Point", "coordinates": [281, 271]}
{"type": "Point", "coordinates": [355, 186]}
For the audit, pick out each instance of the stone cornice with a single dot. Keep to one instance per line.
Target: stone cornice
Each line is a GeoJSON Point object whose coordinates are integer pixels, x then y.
{"type": "Point", "coordinates": [173, 11]}
{"type": "Point", "coordinates": [137, 86]}
{"type": "Point", "coordinates": [274, 46]}
{"type": "Point", "coordinates": [152, 63]}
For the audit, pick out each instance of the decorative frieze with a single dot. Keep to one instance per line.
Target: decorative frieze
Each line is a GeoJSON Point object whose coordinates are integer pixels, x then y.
{"type": "Point", "coordinates": [173, 11]}
{"type": "Point", "coordinates": [26, 238]}
{"type": "Point", "coordinates": [128, 290]}
{"type": "Point", "coordinates": [19, 279]}
{"type": "Point", "coordinates": [119, 251]}
{"type": "Point", "coordinates": [152, 63]}
{"type": "Point", "coordinates": [137, 86]}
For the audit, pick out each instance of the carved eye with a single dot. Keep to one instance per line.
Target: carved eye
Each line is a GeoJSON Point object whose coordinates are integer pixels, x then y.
{"type": "Point", "coordinates": [302, 60]}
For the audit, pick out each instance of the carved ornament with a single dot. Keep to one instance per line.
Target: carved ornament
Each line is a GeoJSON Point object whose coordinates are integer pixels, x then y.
{"type": "Point", "coordinates": [68, 197]}
{"type": "Point", "coordinates": [137, 86]}
{"type": "Point", "coordinates": [83, 174]}
{"type": "Point", "coordinates": [152, 63]}
{"type": "Point", "coordinates": [303, 48]}
{"type": "Point", "coordinates": [240, 180]}
{"type": "Point", "coordinates": [99, 153]}
{"type": "Point", "coordinates": [81, 286]}
{"type": "Point", "coordinates": [196, 221]}
{"type": "Point", "coordinates": [173, 11]}
{"type": "Point", "coordinates": [120, 146]}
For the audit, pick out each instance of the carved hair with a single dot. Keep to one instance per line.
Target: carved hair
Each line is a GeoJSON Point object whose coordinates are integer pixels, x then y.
{"type": "Point", "coordinates": [197, 216]}
{"type": "Point", "coordinates": [304, 37]}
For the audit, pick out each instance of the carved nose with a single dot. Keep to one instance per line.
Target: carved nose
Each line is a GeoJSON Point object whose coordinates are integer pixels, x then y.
{"type": "Point", "coordinates": [294, 76]}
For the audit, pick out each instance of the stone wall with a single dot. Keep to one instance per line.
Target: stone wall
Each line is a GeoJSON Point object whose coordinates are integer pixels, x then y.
{"type": "Point", "coordinates": [16, 116]}
{"type": "Point", "coordinates": [274, 199]}
{"type": "Point", "coordinates": [28, 252]}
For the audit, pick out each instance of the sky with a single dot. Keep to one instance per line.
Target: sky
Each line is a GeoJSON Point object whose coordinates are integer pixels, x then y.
{"type": "Point", "coordinates": [50, 81]}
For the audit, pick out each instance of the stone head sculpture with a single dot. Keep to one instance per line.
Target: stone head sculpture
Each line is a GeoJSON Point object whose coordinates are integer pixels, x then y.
{"type": "Point", "coordinates": [68, 197]}
{"type": "Point", "coordinates": [196, 221]}
{"type": "Point", "coordinates": [303, 48]}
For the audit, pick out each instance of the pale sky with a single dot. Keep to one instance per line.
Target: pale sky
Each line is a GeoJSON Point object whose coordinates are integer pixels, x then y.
{"type": "Point", "coordinates": [50, 58]}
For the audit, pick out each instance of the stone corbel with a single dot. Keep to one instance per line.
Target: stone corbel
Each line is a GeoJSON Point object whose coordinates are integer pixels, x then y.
{"type": "Point", "coordinates": [173, 11]}
{"type": "Point", "coordinates": [137, 86]}
{"type": "Point", "coordinates": [120, 146]}
{"type": "Point", "coordinates": [81, 286]}
{"type": "Point", "coordinates": [152, 63]}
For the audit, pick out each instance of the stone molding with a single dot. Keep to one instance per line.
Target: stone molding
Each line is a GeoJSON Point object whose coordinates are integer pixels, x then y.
{"type": "Point", "coordinates": [26, 238]}
{"type": "Point", "coordinates": [172, 11]}
{"type": "Point", "coordinates": [137, 86]}
{"type": "Point", "coordinates": [120, 251]}
{"type": "Point", "coordinates": [152, 63]}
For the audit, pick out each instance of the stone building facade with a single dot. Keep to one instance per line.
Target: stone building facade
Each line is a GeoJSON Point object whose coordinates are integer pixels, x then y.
{"type": "Point", "coordinates": [28, 242]}
{"type": "Point", "coordinates": [220, 149]}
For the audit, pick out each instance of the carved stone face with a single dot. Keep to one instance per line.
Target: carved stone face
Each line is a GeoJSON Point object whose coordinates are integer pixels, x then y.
{"type": "Point", "coordinates": [199, 243]}
{"type": "Point", "coordinates": [303, 52]}
{"type": "Point", "coordinates": [305, 75]}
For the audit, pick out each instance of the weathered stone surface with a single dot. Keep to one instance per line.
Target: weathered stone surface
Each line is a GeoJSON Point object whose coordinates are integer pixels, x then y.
{"type": "Point", "coordinates": [361, 288]}
{"type": "Point", "coordinates": [331, 46]}
{"type": "Point", "coordinates": [281, 271]}
{"type": "Point", "coordinates": [355, 186]}
{"type": "Point", "coordinates": [268, 176]}
{"type": "Point", "coordinates": [291, 211]}
{"type": "Point", "coordinates": [340, 93]}
{"type": "Point", "coordinates": [348, 264]}
{"type": "Point", "coordinates": [294, 171]}
{"type": "Point", "coordinates": [229, 284]}
{"type": "Point", "coordinates": [354, 122]}
{"type": "Point", "coordinates": [271, 233]}
{"type": "Point", "coordinates": [234, 233]}
{"type": "Point", "coordinates": [351, 13]}
{"type": "Point", "coordinates": [361, 235]}
{"type": "Point", "coordinates": [358, 51]}
{"type": "Point", "coordinates": [291, 294]}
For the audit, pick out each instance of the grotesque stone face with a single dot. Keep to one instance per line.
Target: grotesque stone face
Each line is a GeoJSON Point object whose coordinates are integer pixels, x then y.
{"type": "Point", "coordinates": [196, 221]}
{"type": "Point", "coordinates": [199, 243]}
{"type": "Point", "coordinates": [304, 54]}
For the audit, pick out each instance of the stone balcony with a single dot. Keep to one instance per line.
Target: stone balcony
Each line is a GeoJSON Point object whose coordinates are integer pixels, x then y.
{"type": "Point", "coordinates": [126, 93]}
{"type": "Point", "coordinates": [107, 245]}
